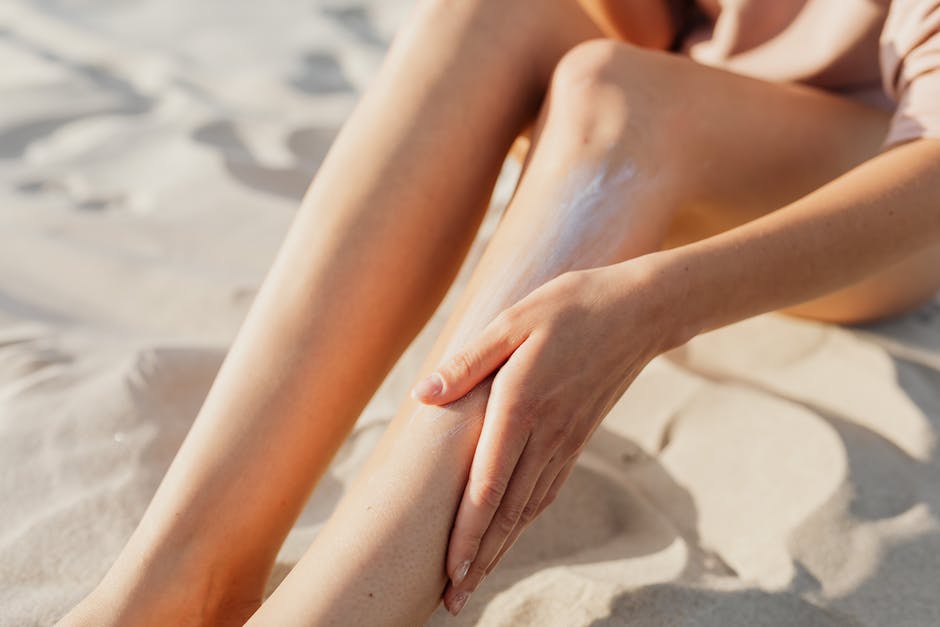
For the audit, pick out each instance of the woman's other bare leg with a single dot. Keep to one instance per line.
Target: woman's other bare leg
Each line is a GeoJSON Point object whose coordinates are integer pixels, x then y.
{"type": "Point", "coordinates": [621, 118]}
{"type": "Point", "coordinates": [582, 202]}
{"type": "Point", "coordinates": [378, 240]}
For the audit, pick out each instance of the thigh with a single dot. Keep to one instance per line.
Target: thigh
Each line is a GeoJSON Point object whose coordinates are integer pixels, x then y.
{"type": "Point", "coordinates": [746, 147]}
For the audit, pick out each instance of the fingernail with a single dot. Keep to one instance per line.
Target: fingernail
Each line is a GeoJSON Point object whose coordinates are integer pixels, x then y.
{"type": "Point", "coordinates": [460, 599]}
{"type": "Point", "coordinates": [429, 387]}
{"type": "Point", "coordinates": [461, 572]}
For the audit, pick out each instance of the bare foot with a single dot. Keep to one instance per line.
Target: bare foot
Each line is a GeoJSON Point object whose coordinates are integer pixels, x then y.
{"type": "Point", "coordinates": [91, 614]}
{"type": "Point", "coordinates": [178, 601]}
{"type": "Point", "coordinates": [98, 612]}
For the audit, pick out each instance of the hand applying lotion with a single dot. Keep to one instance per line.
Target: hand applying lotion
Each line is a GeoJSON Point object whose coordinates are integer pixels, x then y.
{"type": "Point", "coordinates": [564, 355]}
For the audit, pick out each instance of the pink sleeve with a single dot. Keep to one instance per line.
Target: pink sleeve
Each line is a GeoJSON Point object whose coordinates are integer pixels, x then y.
{"type": "Point", "coordinates": [910, 68]}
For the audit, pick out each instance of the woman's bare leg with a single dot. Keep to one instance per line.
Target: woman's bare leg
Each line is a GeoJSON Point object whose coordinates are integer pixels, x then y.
{"type": "Point", "coordinates": [379, 559]}
{"type": "Point", "coordinates": [378, 240]}
{"type": "Point", "coordinates": [664, 140]}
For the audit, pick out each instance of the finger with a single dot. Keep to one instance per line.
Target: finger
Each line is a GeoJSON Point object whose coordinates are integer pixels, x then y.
{"type": "Point", "coordinates": [532, 509]}
{"type": "Point", "coordinates": [530, 470]}
{"type": "Point", "coordinates": [462, 371]}
{"type": "Point", "coordinates": [498, 450]}
{"type": "Point", "coordinates": [524, 477]}
{"type": "Point", "coordinates": [453, 600]}
{"type": "Point", "coordinates": [559, 481]}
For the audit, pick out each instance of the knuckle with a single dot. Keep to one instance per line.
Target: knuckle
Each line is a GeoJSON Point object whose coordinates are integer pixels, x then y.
{"type": "Point", "coordinates": [506, 319]}
{"type": "Point", "coordinates": [570, 448]}
{"type": "Point", "coordinates": [567, 278]}
{"type": "Point", "coordinates": [524, 419]}
{"type": "Point", "coordinates": [470, 542]}
{"type": "Point", "coordinates": [530, 511]}
{"type": "Point", "coordinates": [569, 282]}
{"type": "Point", "coordinates": [507, 517]}
{"type": "Point", "coordinates": [558, 436]}
{"type": "Point", "coordinates": [543, 293]}
{"type": "Point", "coordinates": [552, 494]}
{"type": "Point", "coordinates": [510, 326]}
{"type": "Point", "coordinates": [567, 451]}
{"type": "Point", "coordinates": [549, 498]}
{"type": "Point", "coordinates": [488, 493]}
{"type": "Point", "coordinates": [521, 411]}
{"type": "Point", "coordinates": [548, 403]}
{"type": "Point", "coordinates": [461, 365]}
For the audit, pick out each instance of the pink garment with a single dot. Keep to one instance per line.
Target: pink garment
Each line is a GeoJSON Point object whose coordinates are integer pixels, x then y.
{"type": "Point", "coordinates": [883, 52]}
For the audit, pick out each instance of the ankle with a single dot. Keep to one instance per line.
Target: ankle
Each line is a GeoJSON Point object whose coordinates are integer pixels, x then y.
{"type": "Point", "coordinates": [172, 587]}
{"type": "Point", "coordinates": [182, 603]}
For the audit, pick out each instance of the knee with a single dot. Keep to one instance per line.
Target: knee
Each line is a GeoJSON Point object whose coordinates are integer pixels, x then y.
{"type": "Point", "coordinates": [500, 32]}
{"type": "Point", "coordinates": [482, 14]}
{"type": "Point", "coordinates": [604, 93]}
{"type": "Point", "coordinates": [592, 64]}
{"type": "Point", "coordinates": [589, 93]}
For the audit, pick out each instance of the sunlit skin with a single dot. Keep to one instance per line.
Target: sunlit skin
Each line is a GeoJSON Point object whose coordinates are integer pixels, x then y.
{"type": "Point", "coordinates": [751, 197]}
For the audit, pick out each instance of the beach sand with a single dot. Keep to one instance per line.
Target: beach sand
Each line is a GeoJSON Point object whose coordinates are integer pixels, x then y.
{"type": "Point", "coordinates": [152, 154]}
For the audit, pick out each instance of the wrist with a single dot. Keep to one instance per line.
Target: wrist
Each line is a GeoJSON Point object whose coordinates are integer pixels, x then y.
{"type": "Point", "coordinates": [664, 282]}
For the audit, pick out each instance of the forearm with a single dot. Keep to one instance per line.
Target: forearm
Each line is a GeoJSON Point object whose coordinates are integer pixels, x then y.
{"type": "Point", "coordinates": [869, 218]}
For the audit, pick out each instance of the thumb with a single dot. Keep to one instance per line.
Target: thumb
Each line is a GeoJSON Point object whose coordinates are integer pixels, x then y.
{"type": "Point", "coordinates": [464, 370]}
